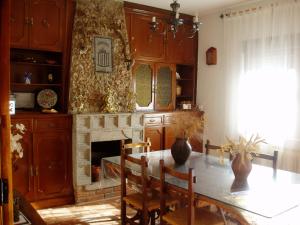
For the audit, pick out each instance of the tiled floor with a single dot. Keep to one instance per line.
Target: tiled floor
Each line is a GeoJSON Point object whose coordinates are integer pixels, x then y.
{"type": "Point", "coordinates": [98, 212]}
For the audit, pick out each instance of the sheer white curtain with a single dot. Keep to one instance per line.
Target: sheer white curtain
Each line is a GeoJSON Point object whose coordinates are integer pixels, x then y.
{"type": "Point", "coordinates": [263, 78]}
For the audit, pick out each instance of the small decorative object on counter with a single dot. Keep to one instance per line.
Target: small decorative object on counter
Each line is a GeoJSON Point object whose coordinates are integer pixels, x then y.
{"type": "Point", "coordinates": [27, 77]}
{"type": "Point", "coordinates": [50, 78]}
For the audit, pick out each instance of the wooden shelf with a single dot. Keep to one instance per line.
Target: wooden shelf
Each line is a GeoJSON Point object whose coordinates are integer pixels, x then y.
{"type": "Point", "coordinates": [35, 64]}
{"type": "Point", "coordinates": [35, 85]}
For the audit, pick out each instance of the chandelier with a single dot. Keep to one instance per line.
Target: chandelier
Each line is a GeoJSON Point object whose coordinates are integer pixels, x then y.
{"type": "Point", "coordinates": [175, 22]}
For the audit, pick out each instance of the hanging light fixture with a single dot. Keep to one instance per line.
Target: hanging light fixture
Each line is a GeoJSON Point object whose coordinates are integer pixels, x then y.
{"type": "Point", "coordinates": [175, 21]}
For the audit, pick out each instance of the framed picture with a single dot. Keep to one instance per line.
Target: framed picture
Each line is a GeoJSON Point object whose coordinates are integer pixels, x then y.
{"type": "Point", "coordinates": [103, 54]}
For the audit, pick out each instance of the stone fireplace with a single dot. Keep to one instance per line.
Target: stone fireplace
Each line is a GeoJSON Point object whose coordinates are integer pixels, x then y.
{"type": "Point", "coordinates": [104, 130]}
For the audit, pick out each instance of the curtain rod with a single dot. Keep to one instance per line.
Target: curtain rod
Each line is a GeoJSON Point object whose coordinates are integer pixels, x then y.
{"type": "Point", "coordinates": [248, 10]}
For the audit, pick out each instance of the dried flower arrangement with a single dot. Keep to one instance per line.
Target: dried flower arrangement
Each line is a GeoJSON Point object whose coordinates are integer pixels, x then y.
{"type": "Point", "coordinates": [243, 147]}
{"type": "Point", "coordinates": [189, 124]}
{"type": "Point", "coordinates": [17, 132]}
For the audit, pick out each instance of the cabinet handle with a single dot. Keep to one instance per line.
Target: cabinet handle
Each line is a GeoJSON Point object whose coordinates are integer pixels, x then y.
{"type": "Point", "coordinates": [36, 171]}
{"type": "Point", "coordinates": [45, 23]}
{"type": "Point", "coordinates": [31, 21]}
{"type": "Point", "coordinates": [152, 120]}
{"type": "Point", "coordinates": [27, 21]}
{"type": "Point", "coordinates": [31, 170]}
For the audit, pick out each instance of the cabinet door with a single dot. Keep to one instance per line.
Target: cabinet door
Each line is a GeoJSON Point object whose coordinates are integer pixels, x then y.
{"type": "Point", "coordinates": [156, 137]}
{"type": "Point", "coordinates": [22, 168]}
{"type": "Point", "coordinates": [47, 23]}
{"type": "Point", "coordinates": [165, 86]}
{"type": "Point", "coordinates": [19, 23]}
{"type": "Point", "coordinates": [52, 163]}
{"type": "Point", "coordinates": [143, 85]}
{"type": "Point", "coordinates": [145, 43]}
{"type": "Point", "coordinates": [169, 136]}
{"type": "Point", "coordinates": [182, 48]}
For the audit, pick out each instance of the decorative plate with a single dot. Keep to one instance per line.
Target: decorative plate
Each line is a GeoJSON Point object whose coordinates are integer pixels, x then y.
{"type": "Point", "coordinates": [47, 98]}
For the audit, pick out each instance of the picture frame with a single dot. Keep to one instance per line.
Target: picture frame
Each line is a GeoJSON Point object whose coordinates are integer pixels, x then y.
{"type": "Point", "coordinates": [103, 54]}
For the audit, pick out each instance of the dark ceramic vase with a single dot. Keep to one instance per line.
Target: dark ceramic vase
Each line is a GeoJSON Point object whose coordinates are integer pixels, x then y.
{"type": "Point", "coordinates": [181, 150]}
{"type": "Point", "coordinates": [241, 168]}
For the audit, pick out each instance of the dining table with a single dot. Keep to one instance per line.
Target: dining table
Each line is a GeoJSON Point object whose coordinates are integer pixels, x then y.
{"type": "Point", "coordinates": [267, 197]}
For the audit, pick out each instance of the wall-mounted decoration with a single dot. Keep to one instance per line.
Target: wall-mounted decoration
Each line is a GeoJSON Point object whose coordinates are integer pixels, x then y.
{"type": "Point", "coordinates": [103, 54]}
{"type": "Point", "coordinates": [211, 56]}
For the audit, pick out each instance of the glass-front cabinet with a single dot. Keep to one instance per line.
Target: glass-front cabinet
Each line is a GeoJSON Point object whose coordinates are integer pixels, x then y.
{"type": "Point", "coordinates": [154, 86]}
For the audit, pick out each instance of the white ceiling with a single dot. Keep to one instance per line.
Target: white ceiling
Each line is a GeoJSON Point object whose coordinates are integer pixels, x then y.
{"type": "Point", "coordinates": [192, 7]}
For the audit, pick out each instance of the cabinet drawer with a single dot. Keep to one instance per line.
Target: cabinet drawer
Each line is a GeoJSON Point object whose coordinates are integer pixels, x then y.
{"type": "Point", "coordinates": [155, 120]}
{"type": "Point", "coordinates": [52, 124]}
{"type": "Point", "coordinates": [169, 119]}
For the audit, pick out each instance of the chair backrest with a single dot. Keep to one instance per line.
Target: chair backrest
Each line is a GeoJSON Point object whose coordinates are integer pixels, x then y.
{"type": "Point", "coordinates": [139, 179]}
{"type": "Point", "coordinates": [209, 147]}
{"type": "Point", "coordinates": [273, 157]}
{"type": "Point", "coordinates": [129, 146]}
{"type": "Point", "coordinates": [189, 192]}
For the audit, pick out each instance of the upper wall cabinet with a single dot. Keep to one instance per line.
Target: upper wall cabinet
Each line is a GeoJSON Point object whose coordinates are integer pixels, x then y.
{"type": "Point", "coordinates": [38, 24]}
{"type": "Point", "coordinates": [160, 45]}
{"type": "Point", "coordinates": [182, 48]}
{"type": "Point", "coordinates": [145, 44]}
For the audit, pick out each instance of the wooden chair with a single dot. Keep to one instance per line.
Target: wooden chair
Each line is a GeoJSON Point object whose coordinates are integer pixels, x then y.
{"type": "Point", "coordinates": [186, 215]}
{"type": "Point", "coordinates": [209, 147]}
{"type": "Point", "coordinates": [146, 202]}
{"type": "Point", "coordinates": [273, 158]}
{"type": "Point", "coordinates": [129, 146]}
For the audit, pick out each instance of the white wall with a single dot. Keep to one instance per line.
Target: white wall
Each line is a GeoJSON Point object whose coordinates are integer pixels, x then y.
{"type": "Point", "coordinates": [210, 83]}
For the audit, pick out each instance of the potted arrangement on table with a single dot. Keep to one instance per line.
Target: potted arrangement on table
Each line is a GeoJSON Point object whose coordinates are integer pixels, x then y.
{"type": "Point", "coordinates": [242, 152]}
{"type": "Point", "coordinates": [187, 125]}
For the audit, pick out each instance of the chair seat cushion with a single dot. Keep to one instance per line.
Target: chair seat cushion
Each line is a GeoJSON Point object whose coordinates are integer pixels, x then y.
{"type": "Point", "coordinates": [202, 217]}
{"type": "Point", "coordinates": [136, 200]}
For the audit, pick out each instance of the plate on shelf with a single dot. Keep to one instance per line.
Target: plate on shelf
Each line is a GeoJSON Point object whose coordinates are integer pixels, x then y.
{"type": "Point", "coordinates": [47, 98]}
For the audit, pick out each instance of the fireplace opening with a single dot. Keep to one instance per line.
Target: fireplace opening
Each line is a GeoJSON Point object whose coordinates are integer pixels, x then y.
{"type": "Point", "coordinates": [100, 150]}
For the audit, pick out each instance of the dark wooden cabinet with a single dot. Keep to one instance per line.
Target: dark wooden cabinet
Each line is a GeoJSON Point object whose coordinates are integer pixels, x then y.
{"type": "Point", "coordinates": [38, 24]}
{"type": "Point", "coordinates": [182, 49]}
{"type": "Point", "coordinates": [19, 23]}
{"type": "Point", "coordinates": [157, 49]}
{"type": "Point", "coordinates": [145, 44]}
{"type": "Point", "coordinates": [154, 85]}
{"type": "Point", "coordinates": [45, 171]}
{"type": "Point", "coordinates": [40, 46]}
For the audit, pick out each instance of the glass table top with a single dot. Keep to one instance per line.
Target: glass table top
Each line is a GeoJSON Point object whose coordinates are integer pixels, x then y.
{"type": "Point", "coordinates": [265, 193]}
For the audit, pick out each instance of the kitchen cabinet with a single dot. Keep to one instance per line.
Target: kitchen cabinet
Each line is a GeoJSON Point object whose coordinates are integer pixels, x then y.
{"type": "Point", "coordinates": [145, 44]}
{"type": "Point", "coordinates": [182, 49]}
{"type": "Point", "coordinates": [154, 85]}
{"type": "Point", "coordinates": [44, 174]}
{"type": "Point", "coordinates": [38, 24]}
{"type": "Point", "coordinates": [161, 47]}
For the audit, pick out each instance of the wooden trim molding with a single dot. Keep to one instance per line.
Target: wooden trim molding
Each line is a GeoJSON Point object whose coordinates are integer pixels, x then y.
{"type": "Point", "coordinates": [6, 164]}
